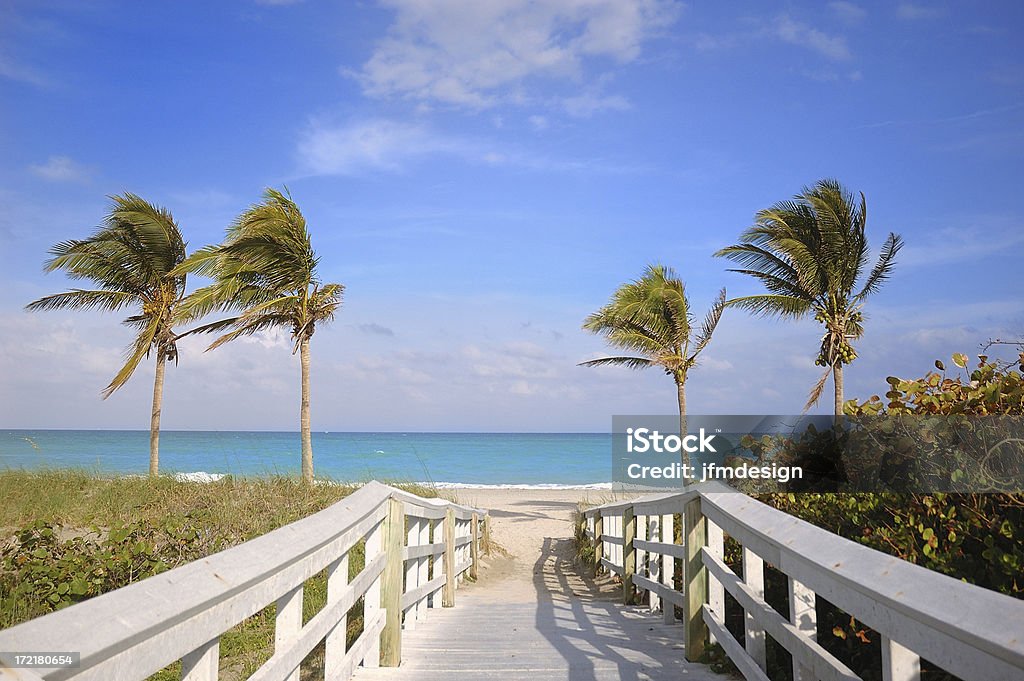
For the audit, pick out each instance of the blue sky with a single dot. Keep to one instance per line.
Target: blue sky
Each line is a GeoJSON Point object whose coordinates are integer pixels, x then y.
{"type": "Point", "coordinates": [481, 176]}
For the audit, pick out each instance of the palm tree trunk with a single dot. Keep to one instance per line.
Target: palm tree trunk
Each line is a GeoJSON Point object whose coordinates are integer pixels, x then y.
{"type": "Point", "coordinates": [837, 379]}
{"type": "Point", "coordinates": [154, 420]}
{"type": "Point", "coordinates": [307, 439]}
{"type": "Point", "coordinates": [681, 396]}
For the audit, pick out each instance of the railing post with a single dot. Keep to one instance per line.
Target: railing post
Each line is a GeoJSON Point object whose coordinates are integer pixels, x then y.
{"type": "Point", "coordinates": [695, 580]}
{"type": "Point", "coordinates": [753, 577]}
{"type": "Point", "coordinates": [668, 567]}
{"type": "Point", "coordinates": [202, 663]}
{"type": "Point", "coordinates": [371, 601]}
{"type": "Point", "coordinates": [412, 569]}
{"type": "Point", "coordinates": [804, 617]}
{"type": "Point", "coordinates": [334, 648]}
{"type": "Point", "coordinates": [899, 663]}
{"type": "Point", "coordinates": [437, 560]}
{"type": "Point", "coordinates": [423, 568]}
{"type": "Point", "coordinates": [640, 523]}
{"type": "Point", "coordinates": [628, 555]}
{"type": "Point", "coordinates": [716, 592]}
{"type": "Point", "coordinates": [654, 561]}
{"type": "Point", "coordinates": [598, 542]}
{"type": "Point", "coordinates": [487, 533]}
{"type": "Point", "coordinates": [288, 623]}
{"type": "Point", "coordinates": [474, 546]}
{"type": "Point", "coordinates": [391, 585]}
{"type": "Point", "coordinates": [448, 592]}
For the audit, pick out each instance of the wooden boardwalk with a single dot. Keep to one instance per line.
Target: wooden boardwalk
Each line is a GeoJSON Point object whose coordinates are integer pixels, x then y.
{"type": "Point", "coordinates": [568, 628]}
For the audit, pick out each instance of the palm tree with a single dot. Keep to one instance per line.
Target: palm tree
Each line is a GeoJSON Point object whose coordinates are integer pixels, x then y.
{"type": "Point", "coordinates": [132, 259]}
{"type": "Point", "coordinates": [266, 271]}
{"type": "Point", "coordinates": [651, 317]}
{"type": "Point", "coordinates": [810, 253]}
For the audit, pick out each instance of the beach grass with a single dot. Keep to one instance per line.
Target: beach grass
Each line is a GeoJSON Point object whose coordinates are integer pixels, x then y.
{"type": "Point", "coordinates": [220, 514]}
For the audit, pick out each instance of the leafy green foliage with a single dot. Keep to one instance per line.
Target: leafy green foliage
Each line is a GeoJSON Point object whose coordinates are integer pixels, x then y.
{"type": "Point", "coordinates": [49, 569]}
{"type": "Point", "coordinates": [131, 259]}
{"type": "Point", "coordinates": [810, 253]}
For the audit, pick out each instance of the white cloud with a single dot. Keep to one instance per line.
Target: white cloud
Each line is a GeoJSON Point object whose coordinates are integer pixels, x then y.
{"type": "Point", "coordinates": [539, 122]}
{"type": "Point", "coordinates": [797, 33]}
{"type": "Point", "coordinates": [21, 73]}
{"type": "Point", "coordinates": [346, 149]}
{"type": "Point", "coordinates": [379, 145]}
{"type": "Point", "coordinates": [912, 11]}
{"type": "Point", "coordinates": [587, 104]}
{"type": "Point", "coordinates": [61, 169]}
{"type": "Point", "coordinates": [474, 54]}
{"type": "Point", "coordinates": [848, 12]}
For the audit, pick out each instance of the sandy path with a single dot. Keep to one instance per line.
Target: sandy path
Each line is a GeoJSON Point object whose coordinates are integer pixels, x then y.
{"type": "Point", "coordinates": [535, 528]}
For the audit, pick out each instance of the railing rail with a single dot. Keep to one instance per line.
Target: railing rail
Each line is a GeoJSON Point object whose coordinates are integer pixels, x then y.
{"type": "Point", "coordinates": [969, 631]}
{"type": "Point", "coordinates": [417, 552]}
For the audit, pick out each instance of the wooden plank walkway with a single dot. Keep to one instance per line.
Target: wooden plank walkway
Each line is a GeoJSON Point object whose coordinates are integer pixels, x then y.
{"type": "Point", "coordinates": [566, 629]}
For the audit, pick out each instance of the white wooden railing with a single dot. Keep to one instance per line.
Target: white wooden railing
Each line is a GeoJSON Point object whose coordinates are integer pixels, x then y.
{"type": "Point", "coordinates": [969, 631]}
{"type": "Point", "coordinates": [417, 552]}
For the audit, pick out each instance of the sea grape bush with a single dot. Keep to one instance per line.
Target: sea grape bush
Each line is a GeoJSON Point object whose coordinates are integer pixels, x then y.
{"type": "Point", "coordinates": [46, 568]}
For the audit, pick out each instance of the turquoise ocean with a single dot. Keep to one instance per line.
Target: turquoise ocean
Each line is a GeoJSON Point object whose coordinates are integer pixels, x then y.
{"type": "Point", "coordinates": [447, 459]}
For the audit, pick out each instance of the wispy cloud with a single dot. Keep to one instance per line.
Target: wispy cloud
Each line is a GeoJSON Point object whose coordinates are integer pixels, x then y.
{"type": "Point", "coordinates": [374, 329]}
{"type": "Point", "coordinates": [848, 12]}
{"type": "Point", "coordinates": [380, 145]}
{"type": "Point", "coordinates": [958, 118]}
{"type": "Point", "coordinates": [913, 11]}
{"type": "Point", "coordinates": [22, 73]}
{"type": "Point", "coordinates": [61, 169]}
{"type": "Point", "coordinates": [798, 33]}
{"type": "Point", "coordinates": [478, 54]}
{"type": "Point", "coordinates": [981, 238]}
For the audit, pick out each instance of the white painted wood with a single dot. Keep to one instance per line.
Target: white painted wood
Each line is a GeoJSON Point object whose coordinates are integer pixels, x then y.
{"type": "Point", "coordinates": [654, 562]}
{"type": "Point", "coordinates": [363, 648]}
{"type": "Point", "coordinates": [423, 567]}
{"type": "Point", "coordinates": [753, 577]}
{"type": "Point", "coordinates": [181, 611]}
{"type": "Point", "coordinates": [674, 550]}
{"type": "Point", "coordinates": [746, 664]}
{"type": "Point", "coordinates": [809, 652]}
{"type": "Point", "coordinates": [372, 609]}
{"type": "Point", "coordinates": [437, 562]}
{"type": "Point", "coordinates": [317, 628]}
{"type": "Point", "coordinates": [17, 674]}
{"type": "Point", "coordinates": [668, 564]}
{"type": "Point", "coordinates": [412, 572]}
{"type": "Point", "coordinates": [420, 592]}
{"type": "Point", "coordinates": [639, 555]}
{"type": "Point", "coordinates": [287, 624]}
{"type": "Point", "coordinates": [202, 664]}
{"type": "Point", "coordinates": [804, 617]}
{"type": "Point", "coordinates": [716, 592]}
{"type": "Point", "coordinates": [899, 663]}
{"type": "Point", "coordinates": [334, 651]}
{"type": "Point", "coordinates": [670, 595]}
{"type": "Point", "coordinates": [969, 631]}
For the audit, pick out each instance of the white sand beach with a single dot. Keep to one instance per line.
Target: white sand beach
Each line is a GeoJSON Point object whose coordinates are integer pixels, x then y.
{"type": "Point", "coordinates": [534, 527]}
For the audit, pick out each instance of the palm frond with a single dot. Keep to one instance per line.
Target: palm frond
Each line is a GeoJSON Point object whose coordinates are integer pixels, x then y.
{"type": "Point", "coordinates": [883, 268]}
{"type": "Point", "coordinates": [817, 390]}
{"type": "Point", "coordinates": [631, 362]}
{"type": "Point", "coordinates": [711, 320]}
{"type": "Point", "coordinates": [136, 352]}
{"type": "Point", "coordinates": [772, 305]}
{"type": "Point", "coordinates": [80, 299]}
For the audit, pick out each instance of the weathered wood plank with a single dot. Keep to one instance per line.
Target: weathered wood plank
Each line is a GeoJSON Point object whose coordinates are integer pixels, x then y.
{"type": "Point", "coordinates": [695, 582]}
{"type": "Point", "coordinates": [448, 592]}
{"type": "Point", "coordinates": [203, 663]}
{"type": "Point", "coordinates": [391, 585]}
